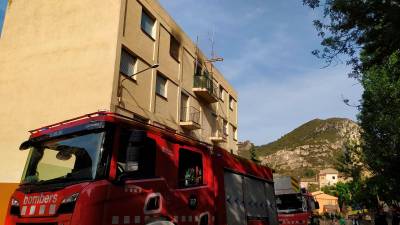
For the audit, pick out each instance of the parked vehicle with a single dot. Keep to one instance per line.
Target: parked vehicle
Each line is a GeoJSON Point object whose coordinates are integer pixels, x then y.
{"type": "Point", "coordinates": [295, 205]}
{"type": "Point", "coordinates": [104, 168]}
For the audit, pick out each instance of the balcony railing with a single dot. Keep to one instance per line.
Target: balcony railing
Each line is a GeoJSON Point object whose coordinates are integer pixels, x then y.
{"type": "Point", "coordinates": [190, 118]}
{"type": "Point", "coordinates": [205, 87]}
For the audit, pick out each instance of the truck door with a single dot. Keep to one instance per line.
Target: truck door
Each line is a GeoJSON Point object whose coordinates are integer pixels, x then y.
{"type": "Point", "coordinates": [193, 202]}
{"type": "Point", "coordinates": [235, 210]}
{"type": "Point", "coordinates": [139, 191]}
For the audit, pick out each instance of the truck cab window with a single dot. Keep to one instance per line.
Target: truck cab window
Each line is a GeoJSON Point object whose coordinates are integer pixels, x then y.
{"type": "Point", "coordinates": [190, 170]}
{"type": "Point", "coordinates": [146, 157]}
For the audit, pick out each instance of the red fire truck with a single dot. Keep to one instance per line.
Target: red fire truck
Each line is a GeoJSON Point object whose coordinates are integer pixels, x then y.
{"type": "Point", "coordinates": [295, 205]}
{"type": "Point", "coordinates": [105, 168]}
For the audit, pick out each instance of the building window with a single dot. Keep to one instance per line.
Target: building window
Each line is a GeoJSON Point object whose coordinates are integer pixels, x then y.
{"type": "Point", "coordinates": [190, 169]}
{"type": "Point", "coordinates": [174, 48]}
{"type": "Point", "coordinates": [184, 107]}
{"type": "Point", "coordinates": [161, 86]}
{"type": "Point", "coordinates": [231, 102]}
{"type": "Point", "coordinates": [234, 130]}
{"type": "Point", "coordinates": [333, 177]}
{"type": "Point", "coordinates": [127, 63]}
{"type": "Point", "coordinates": [221, 93]}
{"type": "Point", "coordinates": [148, 24]}
{"type": "Point", "coordinates": [225, 127]}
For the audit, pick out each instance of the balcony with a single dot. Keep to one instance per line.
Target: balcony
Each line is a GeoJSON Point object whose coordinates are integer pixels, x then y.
{"type": "Point", "coordinates": [205, 88]}
{"type": "Point", "coordinates": [218, 137]}
{"type": "Point", "coordinates": [190, 118]}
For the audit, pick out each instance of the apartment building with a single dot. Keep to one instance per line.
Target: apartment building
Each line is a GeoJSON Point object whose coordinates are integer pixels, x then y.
{"type": "Point", "coordinates": [328, 177]}
{"type": "Point", "coordinates": [61, 59]}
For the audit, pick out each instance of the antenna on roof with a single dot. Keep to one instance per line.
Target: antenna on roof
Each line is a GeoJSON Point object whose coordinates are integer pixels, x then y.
{"type": "Point", "coordinates": [213, 57]}
{"type": "Point", "coordinates": [196, 53]}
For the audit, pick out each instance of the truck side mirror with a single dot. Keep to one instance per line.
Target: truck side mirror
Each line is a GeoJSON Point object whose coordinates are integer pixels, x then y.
{"type": "Point", "coordinates": [25, 145]}
{"type": "Point", "coordinates": [135, 144]}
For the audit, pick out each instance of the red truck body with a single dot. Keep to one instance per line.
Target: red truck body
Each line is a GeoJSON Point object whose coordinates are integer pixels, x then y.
{"type": "Point", "coordinates": [104, 168]}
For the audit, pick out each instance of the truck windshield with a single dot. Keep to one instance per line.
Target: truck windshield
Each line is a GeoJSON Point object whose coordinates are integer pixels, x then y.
{"type": "Point", "coordinates": [289, 202]}
{"type": "Point", "coordinates": [70, 159]}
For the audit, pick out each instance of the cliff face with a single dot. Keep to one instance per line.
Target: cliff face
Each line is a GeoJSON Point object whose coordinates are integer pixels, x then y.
{"type": "Point", "coordinates": [310, 147]}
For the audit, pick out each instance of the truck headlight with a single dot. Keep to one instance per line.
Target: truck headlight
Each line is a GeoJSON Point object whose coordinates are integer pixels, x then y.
{"type": "Point", "coordinates": [14, 209]}
{"type": "Point", "coordinates": [68, 204]}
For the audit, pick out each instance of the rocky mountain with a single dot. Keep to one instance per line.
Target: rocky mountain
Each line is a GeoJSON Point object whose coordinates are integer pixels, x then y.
{"type": "Point", "coordinates": [312, 146]}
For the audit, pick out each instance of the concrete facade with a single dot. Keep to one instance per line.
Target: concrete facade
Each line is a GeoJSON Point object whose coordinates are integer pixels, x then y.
{"type": "Point", "coordinates": [328, 177]}
{"type": "Point", "coordinates": [61, 59]}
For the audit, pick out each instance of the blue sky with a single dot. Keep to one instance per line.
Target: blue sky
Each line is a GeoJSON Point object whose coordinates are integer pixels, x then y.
{"type": "Point", "coordinates": [266, 48]}
{"type": "Point", "coordinates": [3, 4]}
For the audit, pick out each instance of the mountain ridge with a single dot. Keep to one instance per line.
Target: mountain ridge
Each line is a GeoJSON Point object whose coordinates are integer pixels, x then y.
{"type": "Point", "coordinates": [312, 146]}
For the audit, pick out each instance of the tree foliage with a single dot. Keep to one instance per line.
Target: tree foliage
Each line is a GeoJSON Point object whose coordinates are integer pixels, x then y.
{"type": "Point", "coordinates": [340, 190]}
{"type": "Point", "coordinates": [368, 32]}
{"type": "Point", "coordinates": [253, 155]}
{"type": "Point", "coordinates": [357, 193]}
{"type": "Point", "coordinates": [350, 162]}
{"type": "Point", "coordinates": [349, 27]}
{"type": "Point", "coordinates": [380, 120]}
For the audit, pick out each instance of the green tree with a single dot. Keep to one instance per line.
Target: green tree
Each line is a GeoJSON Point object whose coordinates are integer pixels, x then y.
{"type": "Point", "coordinates": [340, 190]}
{"type": "Point", "coordinates": [368, 31]}
{"type": "Point", "coordinates": [356, 193]}
{"type": "Point", "coordinates": [349, 27]}
{"type": "Point", "coordinates": [380, 120]}
{"type": "Point", "coordinates": [253, 154]}
{"type": "Point", "coordinates": [361, 189]}
{"type": "Point", "coordinates": [350, 162]}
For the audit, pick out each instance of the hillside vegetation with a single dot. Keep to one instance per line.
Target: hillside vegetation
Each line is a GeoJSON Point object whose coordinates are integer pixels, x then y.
{"type": "Point", "coordinates": [312, 146]}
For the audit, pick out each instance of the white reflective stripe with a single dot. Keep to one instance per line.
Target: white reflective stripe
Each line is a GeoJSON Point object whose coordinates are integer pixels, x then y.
{"type": "Point", "coordinates": [32, 210]}
{"type": "Point", "coordinates": [127, 219]}
{"type": "Point", "coordinates": [42, 209]}
{"type": "Point", "coordinates": [190, 219]}
{"type": "Point", "coordinates": [52, 209]}
{"type": "Point", "coordinates": [176, 219]}
{"type": "Point", "coordinates": [183, 219]}
{"type": "Point", "coordinates": [196, 218]}
{"type": "Point", "coordinates": [115, 220]}
{"type": "Point", "coordinates": [137, 219]}
{"type": "Point", "coordinates": [23, 210]}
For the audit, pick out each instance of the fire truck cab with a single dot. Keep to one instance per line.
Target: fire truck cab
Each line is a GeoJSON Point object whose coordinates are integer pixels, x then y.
{"type": "Point", "coordinates": [104, 168]}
